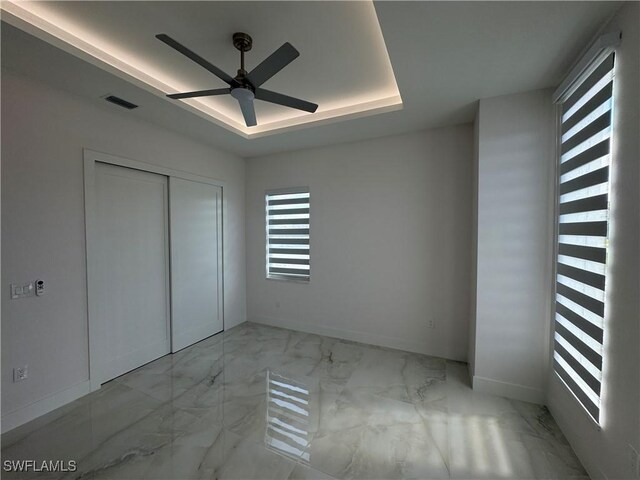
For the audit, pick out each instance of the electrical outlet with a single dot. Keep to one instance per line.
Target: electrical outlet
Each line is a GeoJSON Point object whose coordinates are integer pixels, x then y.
{"type": "Point", "coordinates": [432, 324]}
{"type": "Point", "coordinates": [20, 373]}
{"type": "Point", "coordinates": [634, 462]}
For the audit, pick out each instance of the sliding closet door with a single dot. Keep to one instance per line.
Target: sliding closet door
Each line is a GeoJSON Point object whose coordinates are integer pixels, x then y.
{"type": "Point", "coordinates": [196, 261]}
{"type": "Point", "coordinates": [131, 280]}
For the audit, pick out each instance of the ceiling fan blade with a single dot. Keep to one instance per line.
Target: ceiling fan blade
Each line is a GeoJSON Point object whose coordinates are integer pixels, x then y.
{"type": "Point", "coordinates": [195, 57]}
{"type": "Point", "coordinates": [200, 93]}
{"type": "Point", "coordinates": [287, 101]}
{"type": "Point", "coordinates": [248, 112]}
{"type": "Point", "coordinates": [273, 64]}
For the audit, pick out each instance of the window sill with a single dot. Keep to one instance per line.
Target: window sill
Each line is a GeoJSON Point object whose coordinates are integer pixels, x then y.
{"type": "Point", "coordinates": [289, 280]}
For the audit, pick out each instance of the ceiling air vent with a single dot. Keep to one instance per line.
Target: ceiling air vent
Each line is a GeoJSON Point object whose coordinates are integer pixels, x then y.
{"type": "Point", "coordinates": [120, 102]}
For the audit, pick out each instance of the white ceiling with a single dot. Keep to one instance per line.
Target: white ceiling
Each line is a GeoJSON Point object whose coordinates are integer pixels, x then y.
{"type": "Point", "coordinates": [445, 56]}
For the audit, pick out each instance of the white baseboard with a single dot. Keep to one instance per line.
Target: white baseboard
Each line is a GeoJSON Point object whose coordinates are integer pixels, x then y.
{"type": "Point", "coordinates": [594, 471]}
{"type": "Point", "coordinates": [583, 434]}
{"type": "Point", "coordinates": [38, 408]}
{"type": "Point", "coordinates": [509, 390]}
{"type": "Point", "coordinates": [354, 336]}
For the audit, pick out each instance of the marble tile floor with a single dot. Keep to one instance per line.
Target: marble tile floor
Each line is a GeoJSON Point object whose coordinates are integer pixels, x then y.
{"type": "Point", "coordinates": [269, 403]}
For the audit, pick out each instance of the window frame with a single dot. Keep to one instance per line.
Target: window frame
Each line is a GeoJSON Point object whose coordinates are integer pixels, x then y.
{"type": "Point", "coordinates": [275, 276]}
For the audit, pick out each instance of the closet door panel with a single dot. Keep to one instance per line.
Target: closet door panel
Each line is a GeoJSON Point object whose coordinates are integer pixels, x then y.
{"type": "Point", "coordinates": [131, 294]}
{"type": "Point", "coordinates": [196, 261]}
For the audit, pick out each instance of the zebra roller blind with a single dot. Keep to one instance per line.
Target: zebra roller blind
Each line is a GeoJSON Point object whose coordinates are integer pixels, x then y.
{"type": "Point", "coordinates": [288, 234]}
{"type": "Point", "coordinates": [583, 215]}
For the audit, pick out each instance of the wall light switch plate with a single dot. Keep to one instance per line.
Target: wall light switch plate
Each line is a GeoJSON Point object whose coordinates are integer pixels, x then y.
{"type": "Point", "coordinates": [22, 291]}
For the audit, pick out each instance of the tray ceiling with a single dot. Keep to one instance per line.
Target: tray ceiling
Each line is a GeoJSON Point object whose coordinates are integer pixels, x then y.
{"type": "Point", "coordinates": [343, 65]}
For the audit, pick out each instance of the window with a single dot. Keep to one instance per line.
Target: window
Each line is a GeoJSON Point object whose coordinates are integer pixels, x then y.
{"type": "Point", "coordinates": [288, 234]}
{"type": "Point", "coordinates": [583, 215]}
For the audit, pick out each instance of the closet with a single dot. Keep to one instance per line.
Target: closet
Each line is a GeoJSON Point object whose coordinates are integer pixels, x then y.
{"type": "Point", "coordinates": [154, 263]}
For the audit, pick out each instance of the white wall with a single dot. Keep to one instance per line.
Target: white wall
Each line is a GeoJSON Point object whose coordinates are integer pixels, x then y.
{"type": "Point", "coordinates": [515, 158]}
{"type": "Point", "coordinates": [605, 453]}
{"type": "Point", "coordinates": [390, 233]}
{"type": "Point", "coordinates": [43, 133]}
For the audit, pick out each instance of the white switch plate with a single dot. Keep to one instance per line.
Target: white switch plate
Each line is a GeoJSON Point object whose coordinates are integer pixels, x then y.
{"type": "Point", "coordinates": [21, 291]}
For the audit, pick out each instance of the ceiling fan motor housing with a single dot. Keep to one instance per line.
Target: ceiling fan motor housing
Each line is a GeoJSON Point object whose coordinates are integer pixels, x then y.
{"type": "Point", "coordinates": [242, 94]}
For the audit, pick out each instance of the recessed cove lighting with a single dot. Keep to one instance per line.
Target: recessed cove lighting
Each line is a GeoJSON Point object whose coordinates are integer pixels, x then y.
{"type": "Point", "coordinates": [104, 34]}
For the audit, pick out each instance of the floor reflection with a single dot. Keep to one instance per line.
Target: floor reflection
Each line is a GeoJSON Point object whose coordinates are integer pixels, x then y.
{"type": "Point", "coordinates": [481, 446]}
{"type": "Point", "coordinates": [287, 426]}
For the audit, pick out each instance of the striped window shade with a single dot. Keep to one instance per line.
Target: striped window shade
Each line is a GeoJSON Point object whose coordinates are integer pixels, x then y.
{"type": "Point", "coordinates": [583, 215]}
{"type": "Point", "coordinates": [288, 234]}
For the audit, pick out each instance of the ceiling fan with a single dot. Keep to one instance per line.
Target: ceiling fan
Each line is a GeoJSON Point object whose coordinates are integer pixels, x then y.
{"type": "Point", "coordinates": [245, 87]}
